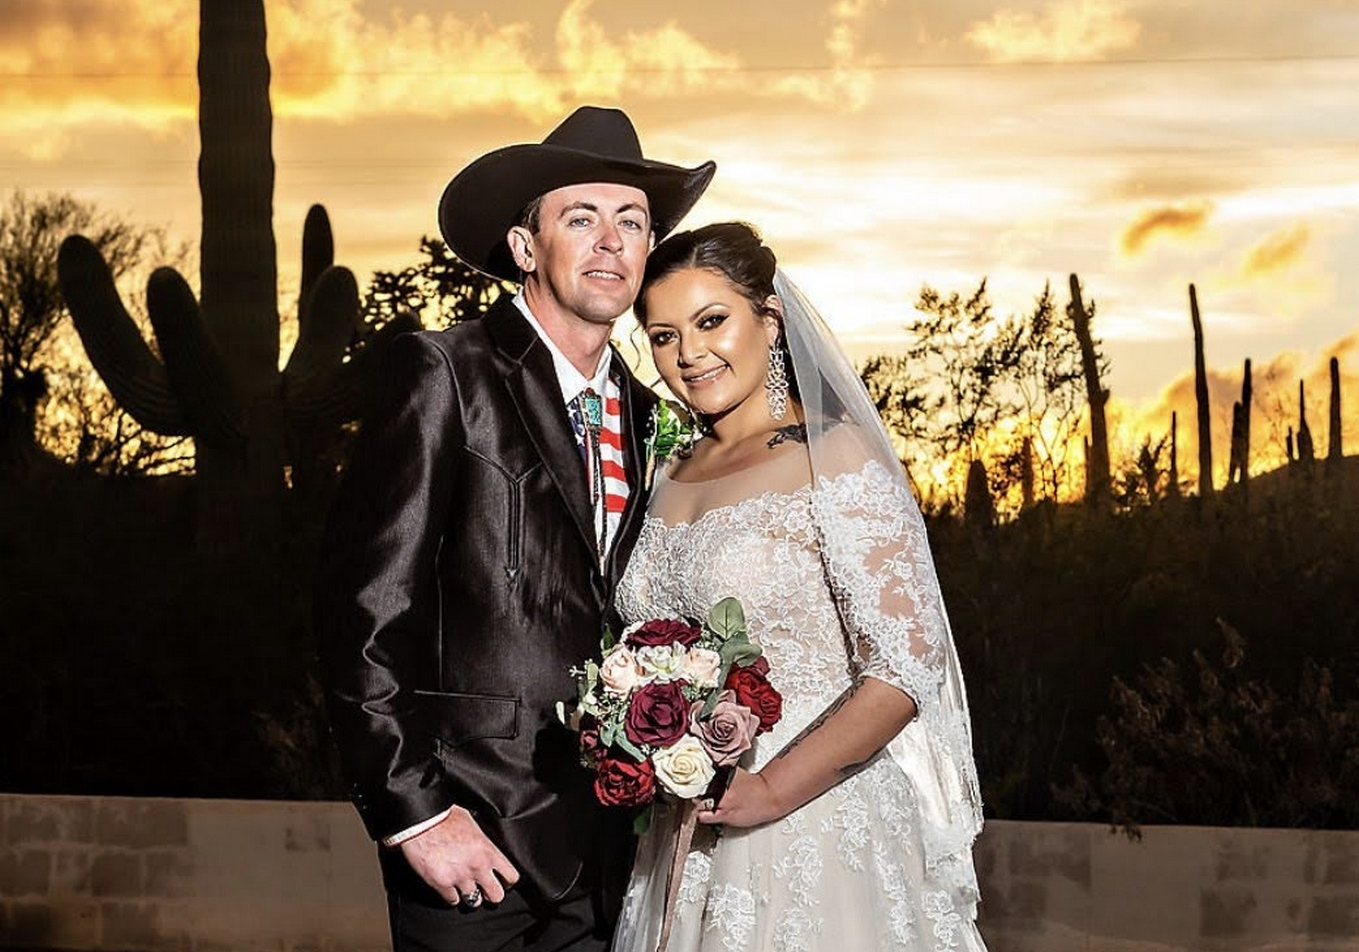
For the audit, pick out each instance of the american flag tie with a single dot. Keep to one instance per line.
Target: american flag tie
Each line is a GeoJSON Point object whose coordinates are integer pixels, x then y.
{"type": "Point", "coordinates": [597, 421]}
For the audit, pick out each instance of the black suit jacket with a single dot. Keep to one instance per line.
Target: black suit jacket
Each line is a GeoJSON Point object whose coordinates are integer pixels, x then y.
{"type": "Point", "coordinates": [459, 583]}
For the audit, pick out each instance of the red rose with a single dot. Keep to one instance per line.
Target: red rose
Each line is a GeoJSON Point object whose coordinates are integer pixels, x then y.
{"type": "Point", "coordinates": [658, 714]}
{"type": "Point", "coordinates": [591, 750]}
{"type": "Point", "coordinates": [758, 694]}
{"type": "Point", "coordinates": [623, 782]}
{"type": "Point", "coordinates": [760, 666]}
{"type": "Point", "coordinates": [661, 631]}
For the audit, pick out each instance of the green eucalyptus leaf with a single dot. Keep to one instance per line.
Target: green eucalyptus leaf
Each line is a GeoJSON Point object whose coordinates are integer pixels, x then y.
{"type": "Point", "coordinates": [607, 642]}
{"type": "Point", "coordinates": [621, 741]}
{"type": "Point", "coordinates": [642, 821]}
{"type": "Point", "coordinates": [727, 618]}
{"type": "Point", "coordinates": [740, 652]}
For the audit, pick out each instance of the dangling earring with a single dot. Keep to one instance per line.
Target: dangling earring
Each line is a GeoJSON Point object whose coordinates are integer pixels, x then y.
{"type": "Point", "coordinates": [776, 384]}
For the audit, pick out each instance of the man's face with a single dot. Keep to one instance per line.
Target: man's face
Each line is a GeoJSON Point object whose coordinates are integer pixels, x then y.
{"type": "Point", "coordinates": [587, 257]}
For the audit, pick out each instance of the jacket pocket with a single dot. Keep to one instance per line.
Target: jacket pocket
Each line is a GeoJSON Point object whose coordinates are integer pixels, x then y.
{"type": "Point", "coordinates": [511, 484]}
{"type": "Point", "coordinates": [457, 718]}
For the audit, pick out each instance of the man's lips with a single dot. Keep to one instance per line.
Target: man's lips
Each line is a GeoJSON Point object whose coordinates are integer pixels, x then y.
{"type": "Point", "coordinates": [604, 275]}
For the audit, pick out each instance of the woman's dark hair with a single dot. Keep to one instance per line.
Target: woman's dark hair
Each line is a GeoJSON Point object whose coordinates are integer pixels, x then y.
{"type": "Point", "coordinates": [732, 249]}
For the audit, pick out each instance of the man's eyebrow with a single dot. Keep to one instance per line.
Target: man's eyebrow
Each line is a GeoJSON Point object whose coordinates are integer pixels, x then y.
{"type": "Point", "coordinates": [579, 206]}
{"type": "Point", "coordinates": [592, 207]}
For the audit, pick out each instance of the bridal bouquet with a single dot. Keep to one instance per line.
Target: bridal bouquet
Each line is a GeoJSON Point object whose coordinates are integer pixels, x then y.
{"type": "Point", "coordinates": [671, 707]}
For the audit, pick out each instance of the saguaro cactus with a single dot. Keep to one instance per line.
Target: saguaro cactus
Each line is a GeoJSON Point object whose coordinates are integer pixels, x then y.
{"type": "Point", "coordinates": [1306, 447]}
{"type": "Point", "coordinates": [1335, 449]}
{"type": "Point", "coordinates": [1201, 399]}
{"type": "Point", "coordinates": [217, 378]}
{"type": "Point", "coordinates": [1098, 483]}
{"type": "Point", "coordinates": [1173, 481]}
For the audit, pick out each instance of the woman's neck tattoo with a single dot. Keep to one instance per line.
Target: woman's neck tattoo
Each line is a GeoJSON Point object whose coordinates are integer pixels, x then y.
{"type": "Point", "coordinates": [797, 432]}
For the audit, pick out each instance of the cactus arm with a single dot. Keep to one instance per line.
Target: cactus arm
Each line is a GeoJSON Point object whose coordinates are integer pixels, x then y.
{"type": "Point", "coordinates": [345, 394]}
{"type": "Point", "coordinates": [137, 380]}
{"type": "Point", "coordinates": [329, 320]}
{"type": "Point", "coordinates": [318, 254]}
{"type": "Point", "coordinates": [195, 367]}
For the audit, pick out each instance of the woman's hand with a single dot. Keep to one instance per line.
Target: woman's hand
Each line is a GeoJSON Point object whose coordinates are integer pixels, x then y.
{"type": "Point", "coordinates": [749, 801]}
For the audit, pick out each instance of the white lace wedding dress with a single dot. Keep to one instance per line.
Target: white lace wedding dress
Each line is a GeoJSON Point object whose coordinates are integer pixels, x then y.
{"type": "Point", "coordinates": [837, 583]}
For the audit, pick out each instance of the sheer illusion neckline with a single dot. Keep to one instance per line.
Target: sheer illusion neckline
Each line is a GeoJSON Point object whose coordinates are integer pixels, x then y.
{"type": "Point", "coordinates": [769, 460]}
{"type": "Point", "coordinates": [750, 501]}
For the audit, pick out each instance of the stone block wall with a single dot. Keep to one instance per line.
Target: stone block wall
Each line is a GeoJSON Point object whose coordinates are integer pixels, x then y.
{"type": "Point", "coordinates": [161, 875]}
{"type": "Point", "coordinates": [112, 874]}
{"type": "Point", "coordinates": [1053, 887]}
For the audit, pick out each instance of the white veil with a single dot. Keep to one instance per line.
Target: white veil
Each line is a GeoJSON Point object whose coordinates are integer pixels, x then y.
{"type": "Point", "coordinates": [935, 750]}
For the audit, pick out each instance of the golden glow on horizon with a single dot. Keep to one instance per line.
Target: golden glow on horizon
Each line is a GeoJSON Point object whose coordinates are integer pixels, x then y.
{"type": "Point", "coordinates": [1142, 146]}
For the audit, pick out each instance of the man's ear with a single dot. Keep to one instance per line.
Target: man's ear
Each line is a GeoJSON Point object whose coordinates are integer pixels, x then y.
{"type": "Point", "coordinates": [520, 240]}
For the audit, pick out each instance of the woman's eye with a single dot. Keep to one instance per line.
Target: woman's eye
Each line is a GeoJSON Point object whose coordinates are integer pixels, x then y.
{"type": "Point", "coordinates": [664, 337]}
{"type": "Point", "coordinates": [711, 320]}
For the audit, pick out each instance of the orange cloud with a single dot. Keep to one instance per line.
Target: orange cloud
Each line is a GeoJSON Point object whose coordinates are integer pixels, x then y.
{"type": "Point", "coordinates": [138, 64]}
{"type": "Point", "coordinates": [1173, 220]}
{"type": "Point", "coordinates": [1070, 31]}
{"type": "Point", "coordinates": [1279, 252]}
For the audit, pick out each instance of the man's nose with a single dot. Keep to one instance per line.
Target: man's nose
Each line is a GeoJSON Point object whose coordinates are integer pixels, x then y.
{"type": "Point", "coordinates": [610, 238]}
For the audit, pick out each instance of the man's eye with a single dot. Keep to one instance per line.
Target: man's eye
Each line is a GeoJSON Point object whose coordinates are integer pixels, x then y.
{"type": "Point", "coordinates": [579, 221]}
{"type": "Point", "coordinates": [630, 224]}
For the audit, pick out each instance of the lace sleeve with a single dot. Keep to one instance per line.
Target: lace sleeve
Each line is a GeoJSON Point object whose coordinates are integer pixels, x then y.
{"type": "Point", "coordinates": [878, 563]}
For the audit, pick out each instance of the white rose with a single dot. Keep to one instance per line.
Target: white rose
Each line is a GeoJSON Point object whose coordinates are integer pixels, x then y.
{"type": "Point", "coordinates": [684, 768]}
{"type": "Point", "coordinates": [619, 671]}
{"type": "Point", "coordinates": [702, 666]}
{"type": "Point", "coordinates": [662, 662]}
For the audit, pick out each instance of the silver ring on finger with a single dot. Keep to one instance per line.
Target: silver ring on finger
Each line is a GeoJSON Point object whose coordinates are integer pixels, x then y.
{"type": "Point", "coordinates": [470, 900]}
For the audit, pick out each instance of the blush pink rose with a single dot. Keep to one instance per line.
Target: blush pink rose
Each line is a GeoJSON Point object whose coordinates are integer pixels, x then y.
{"type": "Point", "coordinates": [727, 732]}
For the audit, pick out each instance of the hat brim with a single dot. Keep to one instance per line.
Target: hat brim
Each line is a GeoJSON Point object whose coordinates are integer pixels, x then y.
{"type": "Point", "coordinates": [483, 201]}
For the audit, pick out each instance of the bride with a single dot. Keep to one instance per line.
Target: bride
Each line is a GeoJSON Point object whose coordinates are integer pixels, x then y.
{"type": "Point", "coordinates": [850, 825]}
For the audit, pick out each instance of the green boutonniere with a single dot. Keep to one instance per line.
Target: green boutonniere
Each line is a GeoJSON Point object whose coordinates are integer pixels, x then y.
{"type": "Point", "coordinates": [671, 428]}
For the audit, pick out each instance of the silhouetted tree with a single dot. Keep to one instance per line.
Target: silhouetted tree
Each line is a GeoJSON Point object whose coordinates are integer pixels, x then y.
{"type": "Point", "coordinates": [439, 288]}
{"type": "Point", "coordinates": [31, 305]}
{"type": "Point", "coordinates": [972, 385]}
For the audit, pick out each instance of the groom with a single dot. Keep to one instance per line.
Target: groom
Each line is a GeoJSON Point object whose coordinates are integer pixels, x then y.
{"type": "Point", "coordinates": [471, 557]}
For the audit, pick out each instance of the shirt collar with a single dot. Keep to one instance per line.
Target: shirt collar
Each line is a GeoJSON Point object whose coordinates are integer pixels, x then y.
{"type": "Point", "coordinates": [572, 380]}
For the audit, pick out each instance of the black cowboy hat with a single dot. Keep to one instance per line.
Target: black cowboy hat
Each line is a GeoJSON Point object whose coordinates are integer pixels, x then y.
{"type": "Point", "coordinates": [592, 144]}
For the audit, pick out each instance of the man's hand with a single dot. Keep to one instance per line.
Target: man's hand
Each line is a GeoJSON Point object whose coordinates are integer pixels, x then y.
{"type": "Point", "coordinates": [457, 860]}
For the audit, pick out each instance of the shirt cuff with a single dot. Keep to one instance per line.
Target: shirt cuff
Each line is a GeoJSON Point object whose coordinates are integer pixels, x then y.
{"type": "Point", "coordinates": [396, 839]}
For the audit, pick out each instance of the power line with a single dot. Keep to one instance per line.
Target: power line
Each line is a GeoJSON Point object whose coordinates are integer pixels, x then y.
{"type": "Point", "coordinates": [1213, 60]}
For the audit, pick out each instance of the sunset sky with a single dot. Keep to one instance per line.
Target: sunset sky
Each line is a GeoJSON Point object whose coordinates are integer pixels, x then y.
{"type": "Point", "coordinates": [879, 144]}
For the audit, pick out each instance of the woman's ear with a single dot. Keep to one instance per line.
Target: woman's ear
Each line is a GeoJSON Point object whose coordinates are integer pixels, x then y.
{"type": "Point", "coordinates": [773, 318]}
{"type": "Point", "coordinates": [520, 240]}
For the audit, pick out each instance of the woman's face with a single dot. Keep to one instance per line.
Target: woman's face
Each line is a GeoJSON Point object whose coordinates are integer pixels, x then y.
{"type": "Point", "coordinates": [709, 344]}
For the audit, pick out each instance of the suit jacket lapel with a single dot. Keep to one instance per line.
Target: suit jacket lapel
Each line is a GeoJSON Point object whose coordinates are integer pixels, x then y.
{"type": "Point", "coordinates": [532, 385]}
